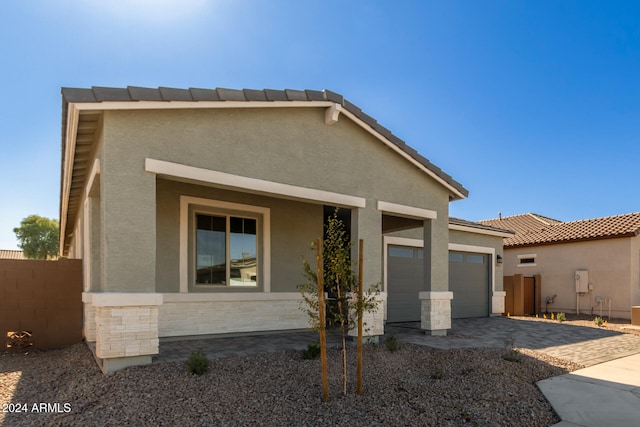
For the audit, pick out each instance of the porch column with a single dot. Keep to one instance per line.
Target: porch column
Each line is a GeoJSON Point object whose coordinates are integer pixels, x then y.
{"type": "Point", "coordinates": [126, 303]}
{"type": "Point", "coordinates": [366, 224]}
{"type": "Point", "coordinates": [436, 299]}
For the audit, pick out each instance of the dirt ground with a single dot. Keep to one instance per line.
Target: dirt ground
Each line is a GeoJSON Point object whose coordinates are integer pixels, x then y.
{"type": "Point", "coordinates": [618, 325]}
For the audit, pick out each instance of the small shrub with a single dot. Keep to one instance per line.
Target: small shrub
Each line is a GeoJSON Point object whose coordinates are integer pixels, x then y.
{"type": "Point", "coordinates": [198, 363]}
{"type": "Point", "coordinates": [312, 351]}
{"type": "Point", "coordinates": [599, 321]}
{"type": "Point", "coordinates": [561, 317]}
{"type": "Point", "coordinates": [438, 369]}
{"type": "Point", "coordinates": [392, 343]}
{"type": "Point", "coordinates": [512, 355]}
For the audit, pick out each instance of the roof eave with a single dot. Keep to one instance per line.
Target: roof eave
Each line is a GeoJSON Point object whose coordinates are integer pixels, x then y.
{"type": "Point", "coordinates": [478, 230]}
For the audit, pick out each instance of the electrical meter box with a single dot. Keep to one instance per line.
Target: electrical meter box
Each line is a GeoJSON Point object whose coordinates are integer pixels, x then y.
{"type": "Point", "coordinates": [582, 281]}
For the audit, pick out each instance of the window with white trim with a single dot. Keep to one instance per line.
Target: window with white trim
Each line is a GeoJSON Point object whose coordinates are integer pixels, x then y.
{"type": "Point", "coordinates": [527, 260]}
{"type": "Point", "coordinates": [224, 246]}
{"type": "Point", "coordinates": [226, 250]}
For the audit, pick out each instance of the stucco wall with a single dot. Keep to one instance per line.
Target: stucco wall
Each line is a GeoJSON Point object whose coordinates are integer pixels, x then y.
{"type": "Point", "coordinates": [289, 145]}
{"type": "Point", "coordinates": [292, 146]}
{"type": "Point", "coordinates": [635, 271]}
{"type": "Point", "coordinates": [128, 212]}
{"type": "Point", "coordinates": [610, 272]}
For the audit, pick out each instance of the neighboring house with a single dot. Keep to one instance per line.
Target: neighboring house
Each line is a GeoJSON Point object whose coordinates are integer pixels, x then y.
{"type": "Point", "coordinates": [11, 254]}
{"type": "Point", "coordinates": [192, 210]}
{"type": "Point", "coordinates": [590, 266]}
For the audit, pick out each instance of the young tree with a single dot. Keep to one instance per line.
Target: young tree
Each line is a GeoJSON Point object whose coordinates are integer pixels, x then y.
{"type": "Point", "coordinates": [38, 237]}
{"type": "Point", "coordinates": [340, 282]}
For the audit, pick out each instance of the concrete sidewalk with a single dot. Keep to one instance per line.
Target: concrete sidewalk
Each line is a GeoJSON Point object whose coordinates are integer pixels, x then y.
{"type": "Point", "coordinates": [607, 394]}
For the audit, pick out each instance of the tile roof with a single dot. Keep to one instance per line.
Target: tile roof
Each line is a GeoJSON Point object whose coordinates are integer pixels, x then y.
{"type": "Point", "coordinates": [487, 227]}
{"type": "Point", "coordinates": [11, 254]}
{"type": "Point", "coordinates": [534, 230]}
{"type": "Point", "coordinates": [165, 94]}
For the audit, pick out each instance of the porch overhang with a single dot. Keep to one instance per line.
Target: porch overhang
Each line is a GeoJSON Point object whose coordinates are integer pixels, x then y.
{"type": "Point", "coordinates": [201, 176]}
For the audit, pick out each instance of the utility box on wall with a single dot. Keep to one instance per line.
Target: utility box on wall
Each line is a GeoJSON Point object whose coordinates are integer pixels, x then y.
{"type": "Point", "coordinates": [582, 281]}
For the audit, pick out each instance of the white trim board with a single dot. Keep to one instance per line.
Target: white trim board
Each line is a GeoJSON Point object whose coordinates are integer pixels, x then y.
{"type": "Point", "coordinates": [121, 299]}
{"type": "Point", "coordinates": [397, 241]}
{"type": "Point", "coordinates": [259, 186]}
{"type": "Point", "coordinates": [406, 211]}
{"type": "Point", "coordinates": [230, 297]}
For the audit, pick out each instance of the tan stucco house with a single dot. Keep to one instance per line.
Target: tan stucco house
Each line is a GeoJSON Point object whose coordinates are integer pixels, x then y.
{"type": "Point", "coordinates": [591, 266]}
{"type": "Point", "coordinates": [192, 210]}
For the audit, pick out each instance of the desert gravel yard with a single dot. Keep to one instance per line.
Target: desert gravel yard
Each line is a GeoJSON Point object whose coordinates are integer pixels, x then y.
{"type": "Point", "coordinates": [415, 386]}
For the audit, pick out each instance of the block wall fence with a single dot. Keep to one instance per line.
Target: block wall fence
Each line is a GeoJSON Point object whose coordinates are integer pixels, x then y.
{"type": "Point", "coordinates": [43, 298]}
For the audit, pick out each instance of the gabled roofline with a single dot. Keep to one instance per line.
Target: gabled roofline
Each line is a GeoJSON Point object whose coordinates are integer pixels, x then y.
{"type": "Point", "coordinates": [131, 98]}
{"type": "Point", "coordinates": [76, 101]}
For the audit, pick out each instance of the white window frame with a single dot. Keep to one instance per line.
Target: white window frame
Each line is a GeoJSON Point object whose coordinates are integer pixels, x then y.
{"type": "Point", "coordinates": [528, 264]}
{"type": "Point", "coordinates": [227, 242]}
{"type": "Point", "coordinates": [264, 236]}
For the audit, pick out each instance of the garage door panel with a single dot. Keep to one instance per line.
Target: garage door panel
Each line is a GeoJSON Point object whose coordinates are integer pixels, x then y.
{"type": "Point", "coordinates": [469, 282]}
{"type": "Point", "coordinates": [404, 282]}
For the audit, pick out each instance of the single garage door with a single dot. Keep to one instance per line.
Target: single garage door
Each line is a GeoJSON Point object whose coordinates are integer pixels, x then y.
{"type": "Point", "coordinates": [469, 282]}
{"type": "Point", "coordinates": [404, 281]}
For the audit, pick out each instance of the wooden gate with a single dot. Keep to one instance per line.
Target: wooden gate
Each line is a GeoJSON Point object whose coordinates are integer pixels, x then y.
{"type": "Point", "coordinates": [523, 295]}
{"type": "Point", "coordinates": [529, 295]}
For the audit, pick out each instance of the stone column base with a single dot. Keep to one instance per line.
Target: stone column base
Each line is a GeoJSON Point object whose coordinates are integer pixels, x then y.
{"type": "Point", "coordinates": [89, 318]}
{"type": "Point", "coordinates": [436, 312]}
{"type": "Point", "coordinates": [497, 303]}
{"type": "Point", "coordinates": [126, 328]}
{"type": "Point", "coordinates": [373, 322]}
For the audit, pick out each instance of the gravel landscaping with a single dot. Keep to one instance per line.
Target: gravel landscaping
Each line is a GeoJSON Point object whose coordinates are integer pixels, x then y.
{"type": "Point", "coordinates": [616, 325]}
{"type": "Point", "coordinates": [415, 386]}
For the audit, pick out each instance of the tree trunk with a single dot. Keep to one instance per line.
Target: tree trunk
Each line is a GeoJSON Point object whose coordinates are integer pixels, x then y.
{"type": "Point", "coordinates": [344, 343]}
{"type": "Point", "coordinates": [321, 316]}
{"type": "Point", "coordinates": [359, 308]}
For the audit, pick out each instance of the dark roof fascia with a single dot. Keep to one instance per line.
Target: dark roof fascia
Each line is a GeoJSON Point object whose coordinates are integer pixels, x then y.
{"type": "Point", "coordinates": [163, 94]}
{"type": "Point", "coordinates": [471, 224]}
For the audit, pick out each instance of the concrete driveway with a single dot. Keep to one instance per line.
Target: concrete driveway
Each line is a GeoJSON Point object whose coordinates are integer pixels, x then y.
{"type": "Point", "coordinates": [583, 345]}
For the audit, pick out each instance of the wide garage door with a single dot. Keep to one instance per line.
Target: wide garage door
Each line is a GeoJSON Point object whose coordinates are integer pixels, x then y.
{"type": "Point", "coordinates": [469, 282]}
{"type": "Point", "coordinates": [404, 281]}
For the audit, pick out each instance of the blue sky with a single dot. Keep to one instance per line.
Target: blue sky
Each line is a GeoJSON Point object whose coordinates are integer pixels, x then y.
{"type": "Point", "coordinates": [534, 106]}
